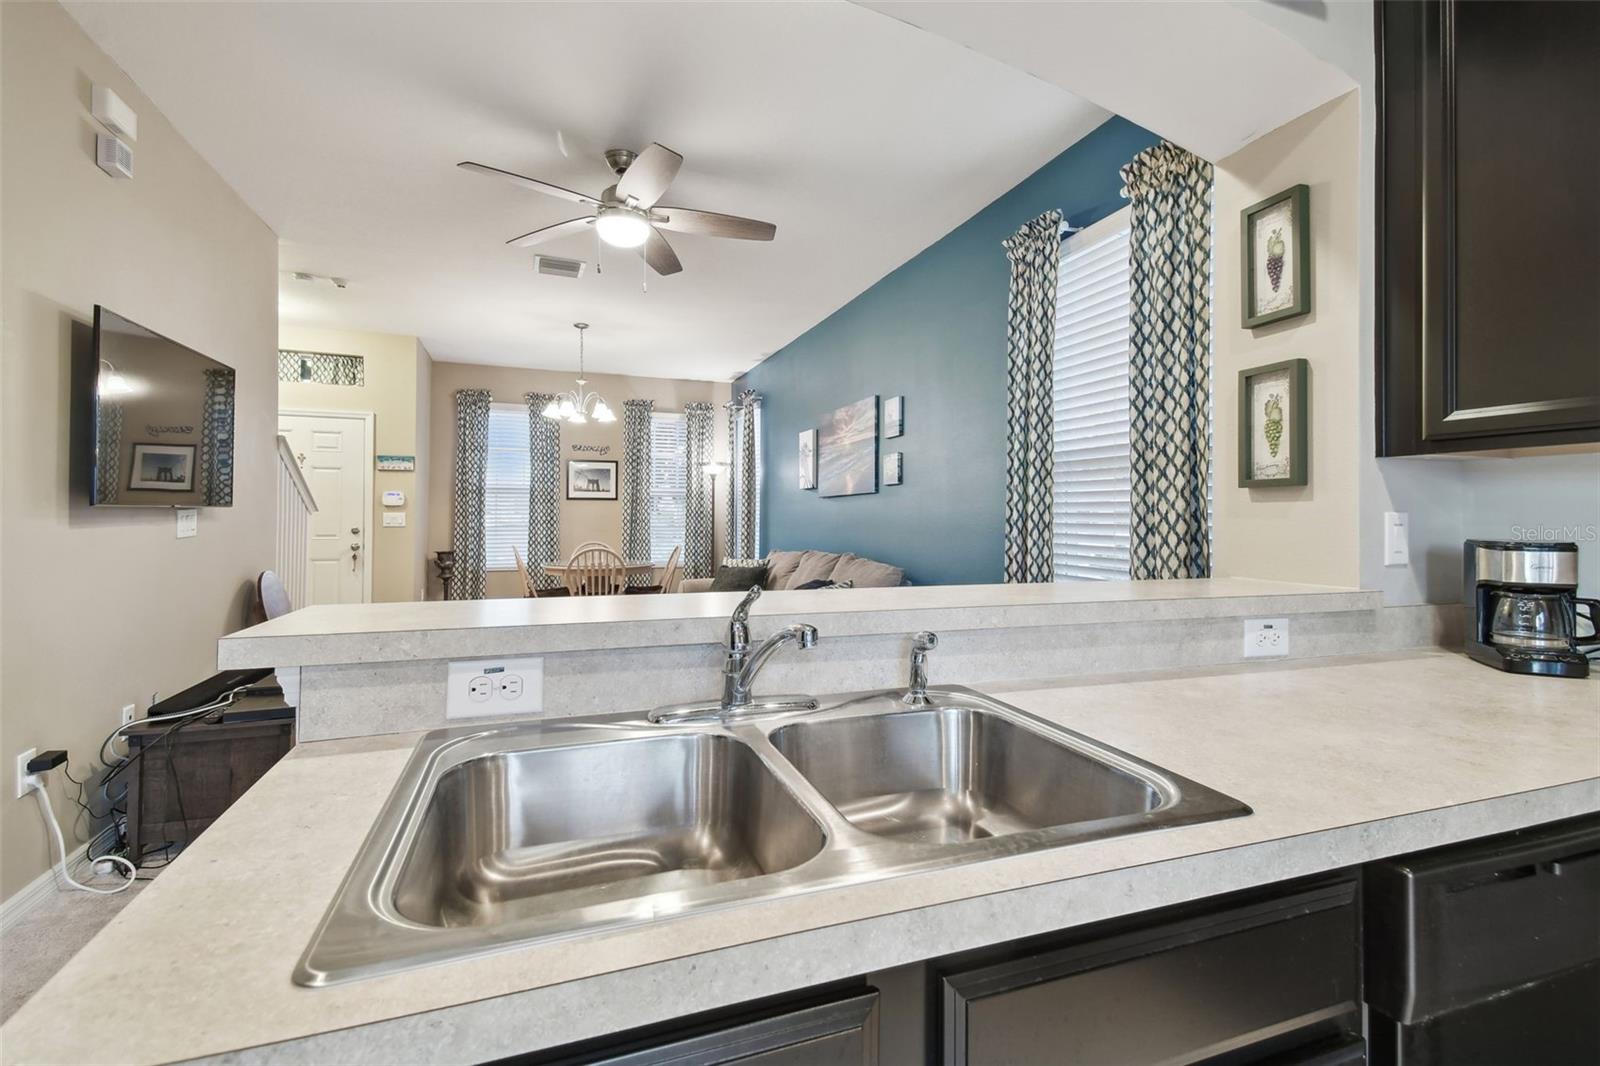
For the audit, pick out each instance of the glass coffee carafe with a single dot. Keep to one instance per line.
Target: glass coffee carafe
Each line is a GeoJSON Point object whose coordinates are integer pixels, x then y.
{"type": "Point", "coordinates": [1542, 620]}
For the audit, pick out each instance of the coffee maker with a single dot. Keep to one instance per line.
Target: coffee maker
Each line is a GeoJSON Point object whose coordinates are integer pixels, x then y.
{"type": "Point", "coordinates": [1525, 608]}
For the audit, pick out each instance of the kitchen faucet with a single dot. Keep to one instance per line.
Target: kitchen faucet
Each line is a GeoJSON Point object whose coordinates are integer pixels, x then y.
{"type": "Point", "coordinates": [917, 686]}
{"type": "Point", "coordinates": [740, 665]}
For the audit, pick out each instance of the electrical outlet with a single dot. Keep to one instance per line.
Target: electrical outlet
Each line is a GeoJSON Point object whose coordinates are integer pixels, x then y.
{"type": "Point", "coordinates": [485, 687]}
{"type": "Point", "coordinates": [129, 713]}
{"type": "Point", "coordinates": [26, 782]}
{"type": "Point", "coordinates": [1266, 638]}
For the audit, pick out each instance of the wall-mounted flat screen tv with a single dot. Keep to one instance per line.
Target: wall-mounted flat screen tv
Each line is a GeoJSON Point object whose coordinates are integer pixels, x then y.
{"type": "Point", "coordinates": [163, 420]}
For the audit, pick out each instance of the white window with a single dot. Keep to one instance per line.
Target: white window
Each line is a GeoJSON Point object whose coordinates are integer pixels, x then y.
{"type": "Point", "coordinates": [1090, 506]}
{"type": "Point", "coordinates": [669, 471]}
{"type": "Point", "coordinates": [505, 486]}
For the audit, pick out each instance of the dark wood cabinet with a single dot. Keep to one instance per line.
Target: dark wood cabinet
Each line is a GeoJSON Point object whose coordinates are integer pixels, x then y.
{"type": "Point", "coordinates": [1488, 215]}
{"type": "Point", "coordinates": [1274, 979]}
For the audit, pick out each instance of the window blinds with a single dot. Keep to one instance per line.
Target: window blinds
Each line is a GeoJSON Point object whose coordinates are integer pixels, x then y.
{"type": "Point", "coordinates": [1091, 495]}
{"type": "Point", "coordinates": [505, 487]}
{"type": "Point", "coordinates": [669, 463]}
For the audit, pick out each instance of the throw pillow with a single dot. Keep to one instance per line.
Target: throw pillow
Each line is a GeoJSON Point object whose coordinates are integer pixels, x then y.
{"type": "Point", "coordinates": [781, 566]}
{"type": "Point", "coordinates": [813, 565]}
{"type": "Point", "coordinates": [739, 578]}
{"type": "Point", "coordinates": [867, 573]}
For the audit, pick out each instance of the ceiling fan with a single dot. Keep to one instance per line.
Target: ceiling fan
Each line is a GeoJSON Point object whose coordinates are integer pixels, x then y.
{"type": "Point", "coordinates": [627, 214]}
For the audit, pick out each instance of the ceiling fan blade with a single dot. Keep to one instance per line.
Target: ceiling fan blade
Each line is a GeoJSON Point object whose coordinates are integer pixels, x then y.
{"type": "Point", "coordinates": [531, 183]}
{"type": "Point", "coordinates": [659, 254]}
{"type": "Point", "coordinates": [648, 176]}
{"type": "Point", "coordinates": [550, 233]}
{"type": "Point", "coordinates": [711, 224]}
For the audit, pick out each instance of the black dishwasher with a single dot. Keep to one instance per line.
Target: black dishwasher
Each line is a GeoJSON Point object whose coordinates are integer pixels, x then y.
{"type": "Point", "coordinates": [1487, 952]}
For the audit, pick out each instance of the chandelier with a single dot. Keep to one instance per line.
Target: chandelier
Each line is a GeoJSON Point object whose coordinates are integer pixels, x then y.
{"type": "Point", "coordinates": [578, 406]}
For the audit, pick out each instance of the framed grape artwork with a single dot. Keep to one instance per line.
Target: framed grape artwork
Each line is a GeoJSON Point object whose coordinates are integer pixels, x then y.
{"type": "Point", "coordinates": [1274, 445]}
{"type": "Point", "coordinates": [1276, 244]}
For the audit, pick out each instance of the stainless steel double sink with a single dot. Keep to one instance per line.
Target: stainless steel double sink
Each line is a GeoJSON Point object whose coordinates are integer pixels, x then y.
{"type": "Point", "coordinates": [503, 835]}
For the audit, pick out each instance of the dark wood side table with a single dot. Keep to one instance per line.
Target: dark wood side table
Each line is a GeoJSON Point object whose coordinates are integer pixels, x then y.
{"type": "Point", "coordinates": [207, 764]}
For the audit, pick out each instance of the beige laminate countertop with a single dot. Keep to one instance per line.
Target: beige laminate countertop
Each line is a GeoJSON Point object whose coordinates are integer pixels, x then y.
{"type": "Point", "coordinates": [1343, 760]}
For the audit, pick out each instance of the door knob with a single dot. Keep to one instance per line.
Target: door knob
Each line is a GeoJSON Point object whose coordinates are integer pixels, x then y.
{"type": "Point", "coordinates": [355, 530]}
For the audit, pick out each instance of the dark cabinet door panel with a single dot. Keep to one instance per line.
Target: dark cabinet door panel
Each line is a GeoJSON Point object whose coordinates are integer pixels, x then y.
{"type": "Point", "coordinates": [1489, 224]}
{"type": "Point", "coordinates": [1245, 984]}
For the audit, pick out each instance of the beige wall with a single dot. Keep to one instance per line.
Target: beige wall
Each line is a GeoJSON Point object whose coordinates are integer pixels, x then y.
{"type": "Point", "coordinates": [396, 375]}
{"type": "Point", "coordinates": [581, 520]}
{"type": "Point", "coordinates": [102, 607]}
{"type": "Point", "coordinates": [1305, 534]}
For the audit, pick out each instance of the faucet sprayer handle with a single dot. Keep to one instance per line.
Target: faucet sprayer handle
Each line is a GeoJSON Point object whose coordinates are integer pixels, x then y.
{"type": "Point", "coordinates": [924, 641]}
{"type": "Point", "coordinates": [805, 635]}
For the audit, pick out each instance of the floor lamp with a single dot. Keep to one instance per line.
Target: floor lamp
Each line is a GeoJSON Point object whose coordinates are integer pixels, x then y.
{"type": "Point", "coordinates": [713, 469]}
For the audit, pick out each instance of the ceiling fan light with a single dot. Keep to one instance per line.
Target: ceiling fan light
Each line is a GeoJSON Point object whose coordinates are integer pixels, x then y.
{"type": "Point", "coordinates": [622, 228]}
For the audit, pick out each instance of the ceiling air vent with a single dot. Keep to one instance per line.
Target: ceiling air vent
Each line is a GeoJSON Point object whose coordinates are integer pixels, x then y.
{"type": "Point", "coordinates": [561, 268]}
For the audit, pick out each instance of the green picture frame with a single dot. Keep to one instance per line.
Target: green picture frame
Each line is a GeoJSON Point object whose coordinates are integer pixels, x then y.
{"type": "Point", "coordinates": [1275, 456]}
{"type": "Point", "coordinates": [1275, 246]}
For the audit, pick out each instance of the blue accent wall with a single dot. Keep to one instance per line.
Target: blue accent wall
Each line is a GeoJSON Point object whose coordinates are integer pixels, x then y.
{"type": "Point", "coordinates": [934, 331]}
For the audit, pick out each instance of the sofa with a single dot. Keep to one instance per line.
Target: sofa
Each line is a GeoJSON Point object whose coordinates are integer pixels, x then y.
{"type": "Point", "coordinates": [791, 569]}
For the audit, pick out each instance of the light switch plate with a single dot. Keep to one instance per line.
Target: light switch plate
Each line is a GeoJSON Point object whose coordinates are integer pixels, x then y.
{"type": "Point", "coordinates": [1266, 638]}
{"type": "Point", "coordinates": [188, 522]}
{"type": "Point", "coordinates": [391, 519]}
{"type": "Point", "coordinates": [480, 688]}
{"type": "Point", "coordinates": [1396, 541]}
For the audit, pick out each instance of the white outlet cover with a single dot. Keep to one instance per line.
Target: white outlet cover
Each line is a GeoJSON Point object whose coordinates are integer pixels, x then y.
{"type": "Point", "coordinates": [1266, 638]}
{"type": "Point", "coordinates": [1396, 538]}
{"type": "Point", "coordinates": [391, 519]}
{"type": "Point", "coordinates": [480, 688]}
{"type": "Point", "coordinates": [188, 522]}
{"type": "Point", "coordinates": [26, 782]}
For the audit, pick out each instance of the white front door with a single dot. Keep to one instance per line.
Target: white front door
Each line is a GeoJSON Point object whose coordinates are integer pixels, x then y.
{"type": "Point", "coordinates": [332, 452]}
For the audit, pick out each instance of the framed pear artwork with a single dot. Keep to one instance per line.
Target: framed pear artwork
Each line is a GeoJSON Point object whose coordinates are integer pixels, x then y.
{"type": "Point", "coordinates": [1274, 442]}
{"type": "Point", "coordinates": [1277, 257]}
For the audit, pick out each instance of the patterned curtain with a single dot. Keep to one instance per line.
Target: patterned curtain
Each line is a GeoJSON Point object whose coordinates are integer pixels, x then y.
{"type": "Point", "coordinates": [1169, 361]}
{"type": "Point", "coordinates": [743, 489]}
{"type": "Point", "coordinates": [697, 514]}
{"type": "Point", "coordinates": [216, 439]}
{"type": "Point", "coordinates": [466, 510]}
{"type": "Point", "coordinates": [544, 491]}
{"type": "Point", "coordinates": [1034, 252]}
{"type": "Point", "coordinates": [321, 368]}
{"type": "Point", "coordinates": [636, 484]}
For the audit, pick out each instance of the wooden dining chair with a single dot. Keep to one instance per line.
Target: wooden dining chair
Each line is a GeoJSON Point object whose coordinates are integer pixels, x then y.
{"type": "Point", "coordinates": [672, 573]}
{"type": "Point", "coordinates": [522, 571]}
{"type": "Point", "coordinates": [596, 571]}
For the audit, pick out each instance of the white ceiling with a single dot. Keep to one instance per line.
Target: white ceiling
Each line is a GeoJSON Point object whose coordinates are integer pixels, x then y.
{"type": "Point", "coordinates": [1209, 76]}
{"type": "Point", "coordinates": [864, 139]}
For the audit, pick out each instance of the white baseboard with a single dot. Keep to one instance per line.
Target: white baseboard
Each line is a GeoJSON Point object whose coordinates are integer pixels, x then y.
{"type": "Point", "coordinates": [49, 883]}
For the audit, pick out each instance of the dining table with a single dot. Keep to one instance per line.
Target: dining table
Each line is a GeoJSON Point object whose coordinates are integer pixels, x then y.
{"type": "Point", "coordinates": [634, 569]}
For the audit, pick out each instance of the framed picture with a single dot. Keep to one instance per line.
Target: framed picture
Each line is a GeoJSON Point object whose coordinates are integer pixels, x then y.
{"type": "Point", "coordinates": [894, 416]}
{"type": "Point", "coordinates": [165, 467]}
{"type": "Point", "coordinates": [1277, 257]}
{"type": "Point", "coordinates": [807, 456]}
{"type": "Point", "coordinates": [847, 450]}
{"type": "Point", "coordinates": [893, 468]}
{"type": "Point", "coordinates": [1274, 446]}
{"type": "Point", "coordinates": [591, 479]}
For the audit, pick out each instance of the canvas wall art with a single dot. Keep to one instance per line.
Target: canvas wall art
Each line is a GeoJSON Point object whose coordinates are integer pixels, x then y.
{"type": "Point", "coordinates": [894, 416]}
{"type": "Point", "coordinates": [807, 458]}
{"type": "Point", "coordinates": [847, 450]}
